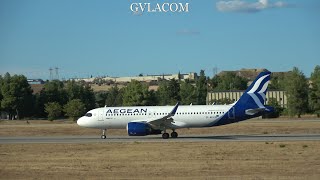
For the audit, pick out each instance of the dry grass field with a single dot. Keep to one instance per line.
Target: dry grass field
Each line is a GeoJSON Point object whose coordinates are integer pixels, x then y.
{"type": "Point", "coordinates": [214, 160]}
{"type": "Point", "coordinates": [164, 160]}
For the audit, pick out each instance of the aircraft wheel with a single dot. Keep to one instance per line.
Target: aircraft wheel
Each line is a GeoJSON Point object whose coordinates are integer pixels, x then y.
{"type": "Point", "coordinates": [174, 134]}
{"type": "Point", "coordinates": [165, 135]}
{"type": "Point", "coordinates": [103, 136]}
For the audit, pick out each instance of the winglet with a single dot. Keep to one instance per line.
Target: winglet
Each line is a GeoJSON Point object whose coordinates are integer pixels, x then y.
{"type": "Point", "coordinates": [174, 110]}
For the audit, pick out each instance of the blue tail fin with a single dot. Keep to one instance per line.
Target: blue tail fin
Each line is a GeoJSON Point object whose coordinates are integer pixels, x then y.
{"type": "Point", "coordinates": [255, 96]}
{"type": "Point", "coordinates": [250, 104]}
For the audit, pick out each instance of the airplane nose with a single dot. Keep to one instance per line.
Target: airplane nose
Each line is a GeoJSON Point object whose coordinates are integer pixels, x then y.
{"type": "Point", "coordinates": [80, 121]}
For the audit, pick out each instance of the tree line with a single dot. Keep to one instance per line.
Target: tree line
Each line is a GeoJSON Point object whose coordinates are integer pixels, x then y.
{"type": "Point", "coordinates": [56, 99]}
{"type": "Point", "coordinates": [72, 99]}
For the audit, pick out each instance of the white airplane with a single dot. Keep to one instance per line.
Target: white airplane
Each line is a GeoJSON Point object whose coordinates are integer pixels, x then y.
{"type": "Point", "coordinates": [152, 120]}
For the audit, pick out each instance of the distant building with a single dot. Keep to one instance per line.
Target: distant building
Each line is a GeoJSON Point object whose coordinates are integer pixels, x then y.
{"type": "Point", "coordinates": [213, 96]}
{"type": "Point", "coordinates": [35, 81]}
{"type": "Point", "coordinates": [36, 88]}
{"type": "Point", "coordinates": [251, 74]}
{"type": "Point", "coordinates": [147, 78]}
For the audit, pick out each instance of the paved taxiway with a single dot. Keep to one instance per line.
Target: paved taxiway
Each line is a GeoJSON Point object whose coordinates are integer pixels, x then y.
{"type": "Point", "coordinates": [182, 138]}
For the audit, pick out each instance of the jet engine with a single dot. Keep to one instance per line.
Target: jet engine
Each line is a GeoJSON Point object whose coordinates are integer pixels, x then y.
{"type": "Point", "coordinates": [141, 129]}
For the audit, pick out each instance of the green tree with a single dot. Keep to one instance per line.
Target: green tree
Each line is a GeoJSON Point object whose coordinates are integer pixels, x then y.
{"type": "Point", "coordinates": [174, 91]}
{"type": "Point", "coordinates": [163, 93]}
{"type": "Point", "coordinates": [1, 97]}
{"type": "Point", "coordinates": [277, 82]}
{"type": "Point", "coordinates": [101, 97]}
{"type": "Point", "coordinates": [213, 83]}
{"type": "Point", "coordinates": [74, 90]}
{"type": "Point", "coordinates": [168, 92]}
{"type": "Point", "coordinates": [74, 109]}
{"type": "Point", "coordinates": [153, 100]}
{"type": "Point", "coordinates": [53, 109]}
{"type": "Point", "coordinates": [187, 93]}
{"type": "Point", "coordinates": [39, 105]}
{"type": "Point", "coordinates": [201, 88]}
{"type": "Point", "coordinates": [136, 94]}
{"type": "Point", "coordinates": [53, 91]}
{"type": "Point", "coordinates": [229, 81]}
{"type": "Point", "coordinates": [88, 97]}
{"type": "Point", "coordinates": [314, 95]}
{"type": "Point", "coordinates": [296, 87]}
{"type": "Point", "coordinates": [16, 96]}
{"type": "Point", "coordinates": [114, 97]}
{"type": "Point", "coordinates": [81, 91]}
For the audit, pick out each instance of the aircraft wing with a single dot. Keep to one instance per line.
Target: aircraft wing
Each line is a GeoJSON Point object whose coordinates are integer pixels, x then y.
{"type": "Point", "coordinates": [164, 121]}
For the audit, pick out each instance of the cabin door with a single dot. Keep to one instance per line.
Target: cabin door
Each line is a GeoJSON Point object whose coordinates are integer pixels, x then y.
{"type": "Point", "coordinates": [101, 118]}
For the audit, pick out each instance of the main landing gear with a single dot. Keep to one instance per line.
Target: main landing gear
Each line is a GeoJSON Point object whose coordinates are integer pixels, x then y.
{"type": "Point", "coordinates": [165, 135]}
{"type": "Point", "coordinates": [103, 136]}
{"type": "Point", "coordinates": [174, 134]}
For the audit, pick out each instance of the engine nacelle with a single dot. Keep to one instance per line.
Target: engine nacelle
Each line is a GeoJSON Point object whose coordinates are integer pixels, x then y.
{"type": "Point", "coordinates": [140, 129]}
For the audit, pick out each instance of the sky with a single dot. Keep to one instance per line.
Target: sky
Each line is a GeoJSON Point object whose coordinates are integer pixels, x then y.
{"type": "Point", "coordinates": [105, 38]}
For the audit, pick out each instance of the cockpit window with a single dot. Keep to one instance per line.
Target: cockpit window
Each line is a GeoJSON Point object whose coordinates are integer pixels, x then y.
{"type": "Point", "coordinates": [88, 114]}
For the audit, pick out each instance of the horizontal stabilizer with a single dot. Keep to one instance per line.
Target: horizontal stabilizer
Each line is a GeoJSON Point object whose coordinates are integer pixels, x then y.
{"type": "Point", "coordinates": [251, 112]}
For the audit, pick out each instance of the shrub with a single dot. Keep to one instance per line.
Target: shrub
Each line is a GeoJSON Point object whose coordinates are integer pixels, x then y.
{"type": "Point", "coordinates": [53, 109]}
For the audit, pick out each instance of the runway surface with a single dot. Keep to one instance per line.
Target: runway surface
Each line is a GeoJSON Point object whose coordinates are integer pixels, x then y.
{"type": "Point", "coordinates": [182, 138]}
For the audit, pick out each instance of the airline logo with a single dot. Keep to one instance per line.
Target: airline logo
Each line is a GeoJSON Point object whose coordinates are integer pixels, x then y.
{"type": "Point", "coordinates": [126, 111]}
{"type": "Point", "coordinates": [258, 90]}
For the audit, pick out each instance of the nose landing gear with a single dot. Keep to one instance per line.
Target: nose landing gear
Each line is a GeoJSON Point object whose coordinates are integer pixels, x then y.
{"type": "Point", "coordinates": [103, 136]}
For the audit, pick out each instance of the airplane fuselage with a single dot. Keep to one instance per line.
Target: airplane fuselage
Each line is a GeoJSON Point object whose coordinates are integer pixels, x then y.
{"type": "Point", "coordinates": [186, 116]}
